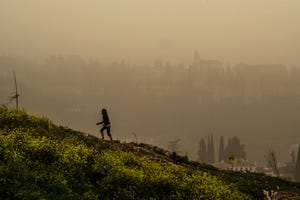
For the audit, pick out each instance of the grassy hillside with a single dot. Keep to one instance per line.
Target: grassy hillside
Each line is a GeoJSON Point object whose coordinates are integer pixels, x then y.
{"type": "Point", "coordinates": [39, 160]}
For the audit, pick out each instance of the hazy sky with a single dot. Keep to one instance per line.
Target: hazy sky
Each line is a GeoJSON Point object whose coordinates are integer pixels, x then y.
{"type": "Point", "coordinates": [253, 31]}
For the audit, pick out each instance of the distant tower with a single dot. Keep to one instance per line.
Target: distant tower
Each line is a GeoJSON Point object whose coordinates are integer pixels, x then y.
{"type": "Point", "coordinates": [221, 150]}
{"type": "Point", "coordinates": [158, 63]}
{"type": "Point", "coordinates": [196, 61]}
{"type": "Point", "coordinates": [194, 69]}
{"type": "Point", "coordinates": [297, 170]}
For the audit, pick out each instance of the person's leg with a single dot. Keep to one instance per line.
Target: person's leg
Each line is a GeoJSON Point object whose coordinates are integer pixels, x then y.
{"type": "Point", "coordinates": [101, 131]}
{"type": "Point", "coordinates": [108, 133]}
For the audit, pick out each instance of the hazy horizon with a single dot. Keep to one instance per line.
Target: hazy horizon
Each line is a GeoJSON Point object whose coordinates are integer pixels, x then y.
{"type": "Point", "coordinates": [161, 102]}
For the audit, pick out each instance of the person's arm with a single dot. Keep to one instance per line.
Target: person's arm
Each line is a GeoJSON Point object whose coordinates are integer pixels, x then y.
{"type": "Point", "coordinates": [98, 123]}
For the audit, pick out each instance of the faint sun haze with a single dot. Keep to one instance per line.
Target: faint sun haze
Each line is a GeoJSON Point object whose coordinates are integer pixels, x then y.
{"type": "Point", "coordinates": [252, 31]}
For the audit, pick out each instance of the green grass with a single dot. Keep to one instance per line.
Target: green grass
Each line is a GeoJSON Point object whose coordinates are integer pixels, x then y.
{"type": "Point", "coordinates": [39, 160]}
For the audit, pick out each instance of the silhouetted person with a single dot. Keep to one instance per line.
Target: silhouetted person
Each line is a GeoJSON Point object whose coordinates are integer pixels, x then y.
{"type": "Point", "coordinates": [106, 124]}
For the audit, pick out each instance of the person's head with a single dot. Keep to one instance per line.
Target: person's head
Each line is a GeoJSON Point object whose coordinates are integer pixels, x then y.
{"type": "Point", "coordinates": [103, 111]}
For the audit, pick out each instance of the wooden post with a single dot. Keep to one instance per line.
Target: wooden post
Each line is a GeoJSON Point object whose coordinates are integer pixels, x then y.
{"type": "Point", "coordinates": [16, 96]}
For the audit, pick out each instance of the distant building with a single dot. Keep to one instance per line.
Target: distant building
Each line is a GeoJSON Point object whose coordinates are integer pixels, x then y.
{"type": "Point", "coordinates": [204, 77]}
{"type": "Point", "coordinates": [262, 81]}
{"type": "Point", "coordinates": [238, 165]}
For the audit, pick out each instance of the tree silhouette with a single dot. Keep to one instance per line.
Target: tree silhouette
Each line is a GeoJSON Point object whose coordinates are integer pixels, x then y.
{"type": "Point", "coordinates": [234, 146]}
{"type": "Point", "coordinates": [293, 156]}
{"type": "Point", "coordinates": [231, 158]}
{"type": "Point", "coordinates": [221, 150]}
{"type": "Point", "coordinates": [202, 153]}
{"type": "Point", "coordinates": [212, 149]}
{"type": "Point", "coordinates": [297, 170]}
{"type": "Point", "coordinates": [271, 157]}
{"type": "Point", "coordinates": [173, 146]}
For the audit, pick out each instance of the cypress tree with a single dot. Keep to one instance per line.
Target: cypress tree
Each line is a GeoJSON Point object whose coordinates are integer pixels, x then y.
{"type": "Point", "coordinates": [221, 150]}
{"type": "Point", "coordinates": [209, 158]}
{"type": "Point", "coordinates": [202, 153]}
{"type": "Point", "coordinates": [297, 170]}
{"type": "Point", "coordinates": [212, 151]}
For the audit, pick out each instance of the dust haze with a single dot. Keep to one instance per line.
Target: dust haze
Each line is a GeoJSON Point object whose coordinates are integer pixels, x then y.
{"type": "Point", "coordinates": [165, 70]}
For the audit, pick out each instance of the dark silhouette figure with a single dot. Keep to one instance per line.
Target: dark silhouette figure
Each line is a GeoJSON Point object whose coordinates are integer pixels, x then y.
{"type": "Point", "coordinates": [106, 124]}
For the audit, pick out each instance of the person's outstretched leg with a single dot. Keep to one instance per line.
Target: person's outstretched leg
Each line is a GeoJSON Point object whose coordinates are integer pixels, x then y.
{"type": "Point", "coordinates": [101, 131]}
{"type": "Point", "coordinates": [108, 133]}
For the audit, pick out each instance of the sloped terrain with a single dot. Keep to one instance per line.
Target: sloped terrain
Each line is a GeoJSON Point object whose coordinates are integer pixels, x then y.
{"type": "Point", "coordinates": [39, 160]}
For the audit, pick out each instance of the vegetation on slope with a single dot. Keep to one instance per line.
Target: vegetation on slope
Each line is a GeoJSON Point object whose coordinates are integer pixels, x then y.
{"type": "Point", "coordinates": [39, 160]}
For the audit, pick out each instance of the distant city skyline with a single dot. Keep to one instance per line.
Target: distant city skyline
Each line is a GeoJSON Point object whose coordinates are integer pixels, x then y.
{"type": "Point", "coordinates": [248, 101]}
